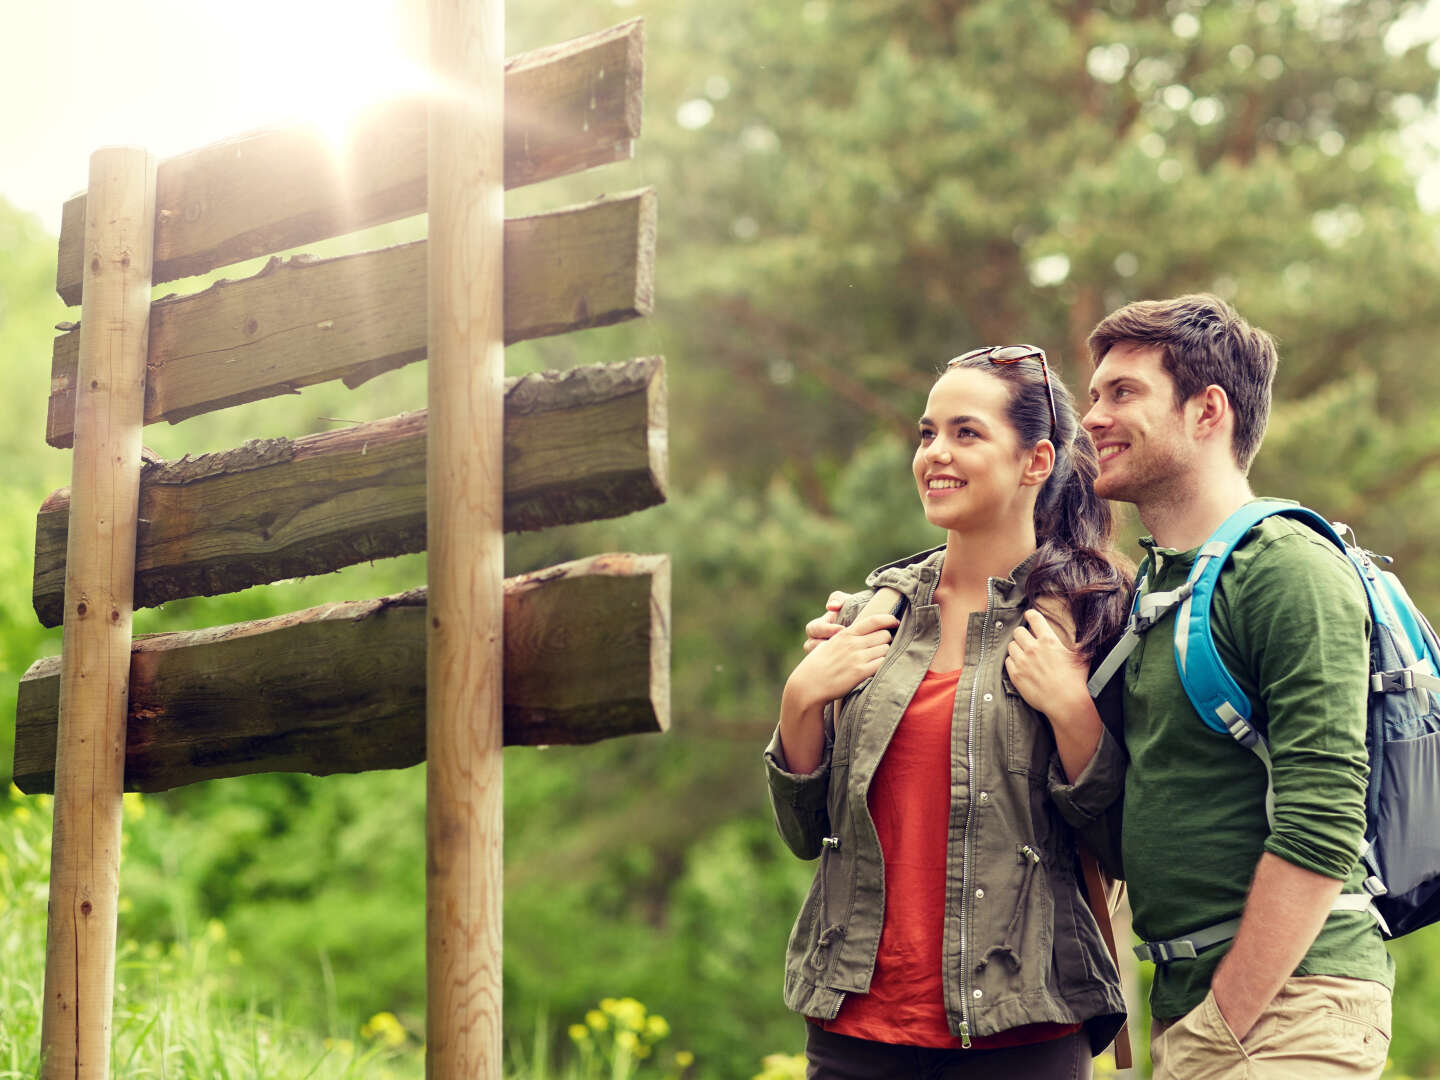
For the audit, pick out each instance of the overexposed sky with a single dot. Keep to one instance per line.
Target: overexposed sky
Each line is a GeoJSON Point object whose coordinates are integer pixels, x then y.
{"type": "Point", "coordinates": [174, 75]}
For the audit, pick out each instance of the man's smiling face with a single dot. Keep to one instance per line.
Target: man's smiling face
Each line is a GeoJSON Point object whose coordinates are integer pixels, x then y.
{"type": "Point", "coordinates": [1139, 433]}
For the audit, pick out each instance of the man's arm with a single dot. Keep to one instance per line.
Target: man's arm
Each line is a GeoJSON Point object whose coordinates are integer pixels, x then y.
{"type": "Point", "coordinates": [1303, 622]}
{"type": "Point", "coordinates": [1284, 912]}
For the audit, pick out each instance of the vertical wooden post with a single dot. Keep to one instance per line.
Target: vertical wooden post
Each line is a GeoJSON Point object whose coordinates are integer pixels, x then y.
{"type": "Point", "coordinates": [464, 511]}
{"type": "Point", "coordinates": [99, 585]}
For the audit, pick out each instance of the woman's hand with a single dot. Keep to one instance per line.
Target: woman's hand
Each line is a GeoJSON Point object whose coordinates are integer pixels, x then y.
{"type": "Point", "coordinates": [1051, 676]}
{"type": "Point", "coordinates": [1045, 668]}
{"type": "Point", "coordinates": [830, 670]}
{"type": "Point", "coordinates": [842, 661]}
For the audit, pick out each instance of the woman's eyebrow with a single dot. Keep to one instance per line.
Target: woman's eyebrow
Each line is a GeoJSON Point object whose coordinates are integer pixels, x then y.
{"type": "Point", "coordinates": [963, 418]}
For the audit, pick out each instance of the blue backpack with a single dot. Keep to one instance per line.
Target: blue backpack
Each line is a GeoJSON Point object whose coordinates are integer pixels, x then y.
{"type": "Point", "coordinates": [1401, 852]}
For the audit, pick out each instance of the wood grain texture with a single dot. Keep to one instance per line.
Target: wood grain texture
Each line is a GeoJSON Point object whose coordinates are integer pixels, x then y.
{"type": "Point", "coordinates": [568, 107]}
{"type": "Point", "coordinates": [92, 683]}
{"type": "Point", "coordinates": [464, 776]}
{"type": "Point", "coordinates": [301, 321]}
{"type": "Point", "coordinates": [580, 445]}
{"type": "Point", "coordinates": [341, 687]}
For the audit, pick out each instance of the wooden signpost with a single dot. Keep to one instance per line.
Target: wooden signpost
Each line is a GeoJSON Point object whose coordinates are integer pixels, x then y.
{"type": "Point", "coordinates": [449, 673]}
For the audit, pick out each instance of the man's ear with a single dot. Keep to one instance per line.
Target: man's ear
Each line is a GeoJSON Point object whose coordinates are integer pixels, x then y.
{"type": "Point", "coordinates": [1211, 412]}
{"type": "Point", "coordinates": [1040, 462]}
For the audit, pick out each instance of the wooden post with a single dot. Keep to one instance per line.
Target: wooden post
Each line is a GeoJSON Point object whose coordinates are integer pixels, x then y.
{"type": "Point", "coordinates": [464, 492]}
{"type": "Point", "coordinates": [94, 683]}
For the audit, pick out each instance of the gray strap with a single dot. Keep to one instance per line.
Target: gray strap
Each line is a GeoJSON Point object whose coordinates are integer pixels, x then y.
{"type": "Point", "coordinates": [1246, 735]}
{"type": "Point", "coordinates": [1113, 662]}
{"type": "Point", "coordinates": [1188, 947]}
{"type": "Point", "coordinates": [1262, 751]}
{"type": "Point", "coordinates": [1154, 605]}
{"type": "Point", "coordinates": [1407, 678]}
{"type": "Point", "coordinates": [1150, 609]}
{"type": "Point", "coordinates": [1352, 901]}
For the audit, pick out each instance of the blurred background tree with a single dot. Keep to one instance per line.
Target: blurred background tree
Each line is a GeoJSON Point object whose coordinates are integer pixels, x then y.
{"type": "Point", "coordinates": [850, 194]}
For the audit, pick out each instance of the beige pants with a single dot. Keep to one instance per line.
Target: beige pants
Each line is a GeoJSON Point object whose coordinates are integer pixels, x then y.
{"type": "Point", "coordinates": [1318, 1027]}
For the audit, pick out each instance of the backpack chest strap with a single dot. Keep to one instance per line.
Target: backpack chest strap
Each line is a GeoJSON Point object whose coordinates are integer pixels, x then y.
{"type": "Point", "coordinates": [1147, 610]}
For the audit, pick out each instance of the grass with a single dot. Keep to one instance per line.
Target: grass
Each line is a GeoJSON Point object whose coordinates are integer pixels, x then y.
{"type": "Point", "coordinates": [177, 1011]}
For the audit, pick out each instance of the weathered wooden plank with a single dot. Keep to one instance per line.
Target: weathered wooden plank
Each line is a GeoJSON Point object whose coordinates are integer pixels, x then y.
{"type": "Point", "coordinates": [341, 687]}
{"type": "Point", "coordinates": [580, 445]}
{"type": "Point", "coordinates": [302, 321]}
{"type": "Point", "coordinates": [568, 107]}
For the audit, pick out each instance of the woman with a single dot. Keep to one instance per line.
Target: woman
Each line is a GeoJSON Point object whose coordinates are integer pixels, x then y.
{"type": "Point", "coordinates": [946, 932]}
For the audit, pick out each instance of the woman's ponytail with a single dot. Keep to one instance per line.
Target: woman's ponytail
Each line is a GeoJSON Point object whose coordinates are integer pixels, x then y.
{"type": "Point", "coordinates": [1075, 560]}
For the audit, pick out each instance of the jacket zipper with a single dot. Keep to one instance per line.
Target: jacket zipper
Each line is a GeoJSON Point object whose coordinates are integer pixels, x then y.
{"type": "Point", "coordinates": [969, 824]}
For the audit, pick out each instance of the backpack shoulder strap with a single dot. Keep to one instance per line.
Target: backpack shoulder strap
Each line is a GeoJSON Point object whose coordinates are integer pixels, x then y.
{"type": "Point", "coordinates": [1222, 705]}
{"type": "Point", "coordinates": [1145, 611]}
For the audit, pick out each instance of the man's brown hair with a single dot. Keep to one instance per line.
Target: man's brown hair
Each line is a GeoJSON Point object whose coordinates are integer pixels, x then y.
{"type": "Point", "coordinates": [1203, 342]}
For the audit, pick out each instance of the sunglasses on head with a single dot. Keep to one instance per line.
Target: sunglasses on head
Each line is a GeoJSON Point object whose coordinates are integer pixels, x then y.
{"type": "Point", "coordinates": [1012, 354]}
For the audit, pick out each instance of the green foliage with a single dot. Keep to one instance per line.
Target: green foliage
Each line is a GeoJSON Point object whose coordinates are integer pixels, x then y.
{"type": "Point", "coordinates": [176, 1010]}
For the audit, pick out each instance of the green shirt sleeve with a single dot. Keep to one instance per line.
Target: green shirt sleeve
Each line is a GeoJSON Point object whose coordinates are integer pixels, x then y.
{"type": "Point", "coordinates": [1299, 628]}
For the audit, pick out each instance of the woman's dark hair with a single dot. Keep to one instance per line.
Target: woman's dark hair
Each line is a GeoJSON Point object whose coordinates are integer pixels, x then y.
{"type": "Point", "coordinates": [1075, 561]}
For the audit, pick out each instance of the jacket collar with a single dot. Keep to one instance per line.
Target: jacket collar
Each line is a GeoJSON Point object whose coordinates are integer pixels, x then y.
{"type": "Point", "coordinates": [916, 574]}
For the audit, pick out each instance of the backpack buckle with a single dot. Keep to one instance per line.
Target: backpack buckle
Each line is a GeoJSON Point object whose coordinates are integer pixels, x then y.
{"type": "Point", "coordinates": [1162, 952]}
{"type": "Point", "coordinates": [1392, 682]}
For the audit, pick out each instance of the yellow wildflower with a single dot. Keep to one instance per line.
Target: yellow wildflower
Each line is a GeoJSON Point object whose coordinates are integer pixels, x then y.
{"type": "Point", "coordinates": [782, 1067]}
{"type": "Point", "coordinates": [384, 1027]}
{"type": "Point", "coordinates": [626, 1040]}
{"type": "Point", "coordinates": [579, 1033]}
{"type": "Point", "coordinates": [133, 806]}
{"type": "Point", "coordinates": [629, 1013]}
{"type": "Point", "coordinates": [656, 1028]}
{"type": "Point", "coordinates": [684, 1059]}
{"type": "Point", "coordinates": [597, 1020]}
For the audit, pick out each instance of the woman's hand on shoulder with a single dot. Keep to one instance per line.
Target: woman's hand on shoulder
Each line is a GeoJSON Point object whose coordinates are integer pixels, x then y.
{"type": "Point", "coordinates": [1045, 666]}
{"type": "Point", "coordinates": [835, 665]}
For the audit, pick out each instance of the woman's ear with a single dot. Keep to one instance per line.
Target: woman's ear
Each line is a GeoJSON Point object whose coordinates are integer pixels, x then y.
{"type": "Point", "coordinates": [1040, 462]}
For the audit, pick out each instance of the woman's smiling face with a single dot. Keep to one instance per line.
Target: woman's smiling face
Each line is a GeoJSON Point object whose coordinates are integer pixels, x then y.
{"type": "Point", "coordinates": [969, 467]}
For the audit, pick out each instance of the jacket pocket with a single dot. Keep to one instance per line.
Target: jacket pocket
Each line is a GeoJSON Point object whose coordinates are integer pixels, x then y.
{"type": "Point", "coordinates": [1027, 737]}
{"type": "Point", "coordinates": [1014, 948]}
{"type": "Point", "coordinates": [822, 933]}
{"type": "Point", "coordinates": [804, 933]}
{"type": "Point", "coordinates": [846, 720]}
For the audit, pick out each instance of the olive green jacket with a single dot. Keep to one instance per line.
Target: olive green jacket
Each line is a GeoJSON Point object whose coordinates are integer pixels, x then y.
{"type": "Point", "coordinates": [1020, 945]}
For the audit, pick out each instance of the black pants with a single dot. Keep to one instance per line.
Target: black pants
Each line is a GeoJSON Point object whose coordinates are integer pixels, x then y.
{"type": "Point", "coordinates": [841, 1057]}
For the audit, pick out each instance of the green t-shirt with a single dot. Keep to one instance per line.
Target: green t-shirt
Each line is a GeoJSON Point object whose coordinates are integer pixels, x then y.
{"type": "Point", "coordinates": [1291, 624]}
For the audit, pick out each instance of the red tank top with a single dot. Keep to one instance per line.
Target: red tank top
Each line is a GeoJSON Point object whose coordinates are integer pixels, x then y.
{"type": "Point", "coordinates": [910, 805]}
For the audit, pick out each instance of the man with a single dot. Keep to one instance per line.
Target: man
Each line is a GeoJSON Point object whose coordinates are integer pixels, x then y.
{"type": "Point", "coordinates": [1180, 399]}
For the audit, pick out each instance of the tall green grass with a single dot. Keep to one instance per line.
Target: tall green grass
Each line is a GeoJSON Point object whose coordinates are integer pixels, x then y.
{"type": "Point", "coordinates": [178, 1011]}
